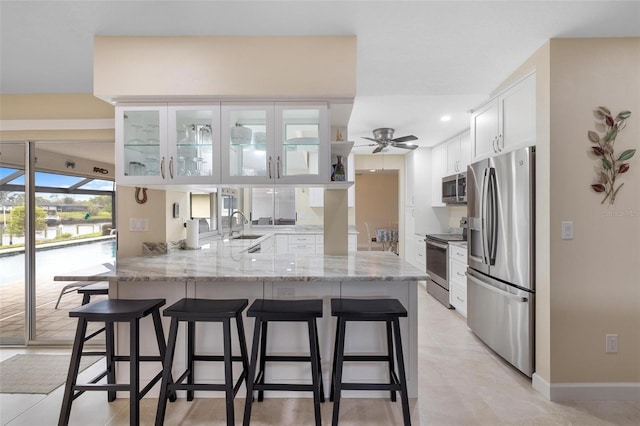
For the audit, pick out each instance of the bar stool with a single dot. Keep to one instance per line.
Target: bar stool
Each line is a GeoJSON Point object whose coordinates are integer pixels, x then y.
{"type": "Point", "coordinates": [264, 311]}
{"type": "Point", "coordinates": [387, 310]}
{"type": "Point", "coordinates": [204, 310]}
{"type": "Point", "coordinates": [96, 289]}
{"type": "Point", "coordinates": [111, 311]}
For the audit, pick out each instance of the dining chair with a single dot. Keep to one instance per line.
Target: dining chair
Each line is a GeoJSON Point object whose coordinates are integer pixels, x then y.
{"type": "Point", "coordinates": [371, 240]}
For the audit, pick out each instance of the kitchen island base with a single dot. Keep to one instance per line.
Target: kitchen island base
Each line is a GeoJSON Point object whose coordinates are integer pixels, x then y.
{"type": "Point", "coordinates": [290, 338]}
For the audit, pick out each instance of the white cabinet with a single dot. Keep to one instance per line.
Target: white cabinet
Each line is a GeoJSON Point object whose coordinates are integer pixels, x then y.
{"type": "Point", "coordinates": [306, 243]}
{"type": "Point", "coordinates": [167, 144]}
{"type": "Point", "coordinates": [420, 254]}
{"type": "Point", "coordinates": [410, 178]}
{"type": "Point", "coordinates": [458, 153]}
{"type": "Point", "coordinates": [438, 170]}
{"type": "Point", "coordinates": [194, 143]}
{"type": "Point", "coordinates": [506, 122]}
{"type": "Point", "coordinates": [458, 278]}
{"type": "Point", "coordinates": [275, 143]}
{"type": "Point", "coordinates": [316, 195]}
{"type": "Point", "coordinates": [141, 144]}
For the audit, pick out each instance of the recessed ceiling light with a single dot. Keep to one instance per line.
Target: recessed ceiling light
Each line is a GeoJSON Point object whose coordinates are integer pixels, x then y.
{"type": "Point", "coordinates": [445, 118]}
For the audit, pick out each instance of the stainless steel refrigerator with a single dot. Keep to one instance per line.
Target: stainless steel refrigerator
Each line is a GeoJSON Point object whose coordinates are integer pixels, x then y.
{"type": "Point", "coordinates": [501, 272]}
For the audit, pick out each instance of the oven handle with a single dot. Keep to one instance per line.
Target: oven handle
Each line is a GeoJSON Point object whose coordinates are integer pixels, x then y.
{"type": "Point", "coordinates": [435, 244]}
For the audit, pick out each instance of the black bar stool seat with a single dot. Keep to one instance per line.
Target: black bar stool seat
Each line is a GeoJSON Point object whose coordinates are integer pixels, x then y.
{"type": "Point", "coordinates": [97, 289]}
{"type": "Point", "coordinates": [264, 311]}
{"type": "Point", "coordinates": [389, 311]}
{"type": "Point", "coordinates": [111, 311]}
{"type": "Point", "coordinates": [204, 310]}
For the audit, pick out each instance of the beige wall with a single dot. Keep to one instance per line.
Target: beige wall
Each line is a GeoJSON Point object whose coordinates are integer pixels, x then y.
{"type": "Point", "coordinates": [55, 117]}
{"type": "Point", "coordinates": [595, 277]}
{"type": "Point", "coordinates": [158, 210]}
{"type": "Point", "coordinates": [225, 66]}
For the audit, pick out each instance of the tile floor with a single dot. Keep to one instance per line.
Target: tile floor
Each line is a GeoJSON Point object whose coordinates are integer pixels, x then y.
{"type": "Point", "coordinates": [461, 383]}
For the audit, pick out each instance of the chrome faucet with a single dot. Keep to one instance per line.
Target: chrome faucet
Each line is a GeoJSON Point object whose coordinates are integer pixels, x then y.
{"type": "Point", "coordinates": [244, 220]}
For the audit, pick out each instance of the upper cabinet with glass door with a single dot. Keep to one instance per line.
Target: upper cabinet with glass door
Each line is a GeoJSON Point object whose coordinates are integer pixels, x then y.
{"type": "Point", "coordinates": [275, 143]}
{"type": "Point", "coordinates": [194, 143]}
{"type": "Point", "coordinates": [163, 144]}
{"type": "Point", "coordinates": [141, 140]}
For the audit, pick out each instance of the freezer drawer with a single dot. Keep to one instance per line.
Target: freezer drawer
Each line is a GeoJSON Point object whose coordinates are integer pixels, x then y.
{"type": "Point", "coordinates": [502, 316]}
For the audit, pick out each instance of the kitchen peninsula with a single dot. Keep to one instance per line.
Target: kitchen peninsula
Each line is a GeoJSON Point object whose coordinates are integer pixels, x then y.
{"type": "Point", "coordinates": [226, 269]}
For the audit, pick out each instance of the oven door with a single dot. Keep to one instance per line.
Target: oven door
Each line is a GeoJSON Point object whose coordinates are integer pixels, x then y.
{"type": "Point", "coordinates": [437, 259]}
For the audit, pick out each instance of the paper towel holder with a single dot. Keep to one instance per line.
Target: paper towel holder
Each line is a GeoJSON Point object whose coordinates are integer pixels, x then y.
{"type": "Point", "coordinates": [176, 210]}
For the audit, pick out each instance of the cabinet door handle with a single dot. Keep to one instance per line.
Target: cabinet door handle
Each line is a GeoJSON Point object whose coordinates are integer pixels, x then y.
{"type": "Point", "coordinates": [171, 167]}
{"type": "Point", "coordinates": [500, 139]}
{"type": "Point", "coordinates": [462, 275]}
{"type": "Point", "coordinates": [269, 166]}
{"type": "Point", "coordinates": [459, 254]}
{"type": "Point", "coordinates": [494, 144]}
{"type": "Point", "coordinates": [458, 297]}
{"type": "Point", "coordinates": [162, 167]}
{"type": "Point", "coordinates": [278, 168]}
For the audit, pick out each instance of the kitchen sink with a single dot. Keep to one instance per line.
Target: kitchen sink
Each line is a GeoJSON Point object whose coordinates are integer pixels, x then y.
{"type": "Point", "coordinates": [246, 237]}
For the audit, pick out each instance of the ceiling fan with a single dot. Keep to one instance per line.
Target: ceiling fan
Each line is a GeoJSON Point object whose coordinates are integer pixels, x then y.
{"type": "Point", "coordinates": [383, 137]}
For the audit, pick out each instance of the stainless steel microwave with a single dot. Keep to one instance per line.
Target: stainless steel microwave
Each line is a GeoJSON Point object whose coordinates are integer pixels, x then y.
{"type": "Point", "coordinates": [454, 189]}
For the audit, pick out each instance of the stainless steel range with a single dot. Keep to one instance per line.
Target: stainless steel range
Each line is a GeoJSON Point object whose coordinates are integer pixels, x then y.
{"type": "Point", "coordinates": [438, 265]}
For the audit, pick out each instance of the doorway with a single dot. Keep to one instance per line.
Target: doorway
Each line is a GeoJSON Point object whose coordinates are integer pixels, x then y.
{"type": "Point", "coordinates": [376, 206]}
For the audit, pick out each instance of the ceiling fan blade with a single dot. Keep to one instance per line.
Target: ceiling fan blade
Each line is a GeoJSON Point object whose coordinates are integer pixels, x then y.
{"type": "Point", "coordinates": [404, 146]}
{"type": "Point", "coordinates": [405, 139]}
{"type": "Point", "coordinates": [378, 149]}
{"type": "Point", "coordinates": [369, 139]}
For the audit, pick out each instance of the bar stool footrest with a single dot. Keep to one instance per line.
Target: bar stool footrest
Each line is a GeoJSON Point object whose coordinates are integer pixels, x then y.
{"type": "Point", "coordinates": [379, 358]}
{"type": "Point", "coordinates": [287, 358]}
{"type": "Point", "coordinates": [282, 387]}
{"type": "Point", "coordinates": [370, 386]}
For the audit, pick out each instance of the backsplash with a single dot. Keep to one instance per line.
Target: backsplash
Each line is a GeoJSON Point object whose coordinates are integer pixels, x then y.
{"type": "Point", "coordinates": [455, 214]}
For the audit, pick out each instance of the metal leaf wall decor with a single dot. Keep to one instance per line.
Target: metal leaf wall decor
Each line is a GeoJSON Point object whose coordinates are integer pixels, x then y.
{"type": "Point", "coordinates": [604, 148]}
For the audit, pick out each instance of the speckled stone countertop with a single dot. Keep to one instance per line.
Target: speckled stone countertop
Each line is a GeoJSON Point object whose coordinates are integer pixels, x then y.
{"type": "Point", "coordinates": [229, 260]}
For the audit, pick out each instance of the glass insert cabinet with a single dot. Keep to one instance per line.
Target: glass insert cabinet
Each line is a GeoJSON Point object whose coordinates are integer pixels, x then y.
{"type": "Point", "coordinates": [275, 143]}
{"type": "Point", "coordinates": [231, 143]}
{"type": "Point", "coordinates": [167, 144]}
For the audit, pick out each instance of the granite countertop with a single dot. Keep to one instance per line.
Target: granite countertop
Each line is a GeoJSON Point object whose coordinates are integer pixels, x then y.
{"type": "Point", "coordinates": [229, 260]}
{"type": "Point", "coordinates": [462, 244]}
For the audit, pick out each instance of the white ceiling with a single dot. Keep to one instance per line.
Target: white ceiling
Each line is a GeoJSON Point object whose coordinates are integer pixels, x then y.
{"type": "Point", "coordinates": [417, 60]}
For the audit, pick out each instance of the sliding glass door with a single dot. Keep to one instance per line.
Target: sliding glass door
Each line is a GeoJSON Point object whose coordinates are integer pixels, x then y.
{"type": "Point", "coordinates": [58, 221]}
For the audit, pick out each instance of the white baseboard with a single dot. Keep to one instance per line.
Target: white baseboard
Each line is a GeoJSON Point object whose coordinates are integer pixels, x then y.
{"type": "Point", "coordinates": [587, 391]}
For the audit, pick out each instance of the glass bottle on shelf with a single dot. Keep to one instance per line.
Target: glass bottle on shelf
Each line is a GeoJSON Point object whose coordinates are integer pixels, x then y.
{"type": "Point", "coordinates": [340, 175]}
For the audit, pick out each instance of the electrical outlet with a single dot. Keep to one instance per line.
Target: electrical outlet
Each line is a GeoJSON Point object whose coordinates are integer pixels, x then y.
{"type": "Point", "coordinates": [286, 293]}
{"type": "Point", "coordinates": [611, 346]}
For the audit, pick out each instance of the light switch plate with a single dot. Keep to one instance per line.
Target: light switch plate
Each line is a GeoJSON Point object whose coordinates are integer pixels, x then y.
{"type": "Point", "coordinates": [138, 225]}
{"type": "Point", "coordinates": [567, 230]}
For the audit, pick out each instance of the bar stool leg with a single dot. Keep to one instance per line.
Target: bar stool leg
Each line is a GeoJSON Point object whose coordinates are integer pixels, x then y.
{"type": "Point", "coordinates": [110, 353]}
{"type": "Point", "coordinates": [252, 371]}
{"type": "Point", "coordinates": [390, 355]}
{"type": "Point", "coordinates": [243, 347]}
{"type": "Point", "coordinates": [228, 370]}
{"type": "Point", "coordinates": [403, 379]}
{"type": "Point", "coordinates": [166, 373]}
{"type": "Point", "coordinates": [338, 378]}
{"type": "Point", "coordinates": [315, 326]}
{"type": "Point", "coordinates": [263, 354]}
{"type": "Point", "coordinates": [191, 350]}
{"type": "Point", "coordinates": [316, 379]}
{"type": "Point", "coordinates": [334, 362]}
{"type": "Point", "coordinates": [162, 348]}
{"type": "Point", "coordinates": [72, 375]}
{"type": "Point", "coordinates": [134, 373]}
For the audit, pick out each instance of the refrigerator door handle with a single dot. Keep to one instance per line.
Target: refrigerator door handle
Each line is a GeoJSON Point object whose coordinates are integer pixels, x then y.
{"type": "Point", "coordinates": [497, 290]}
{"type": "Point", "coordinates": [493, 216]}
{"type": "Point", "coordinates": [484, 213]}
